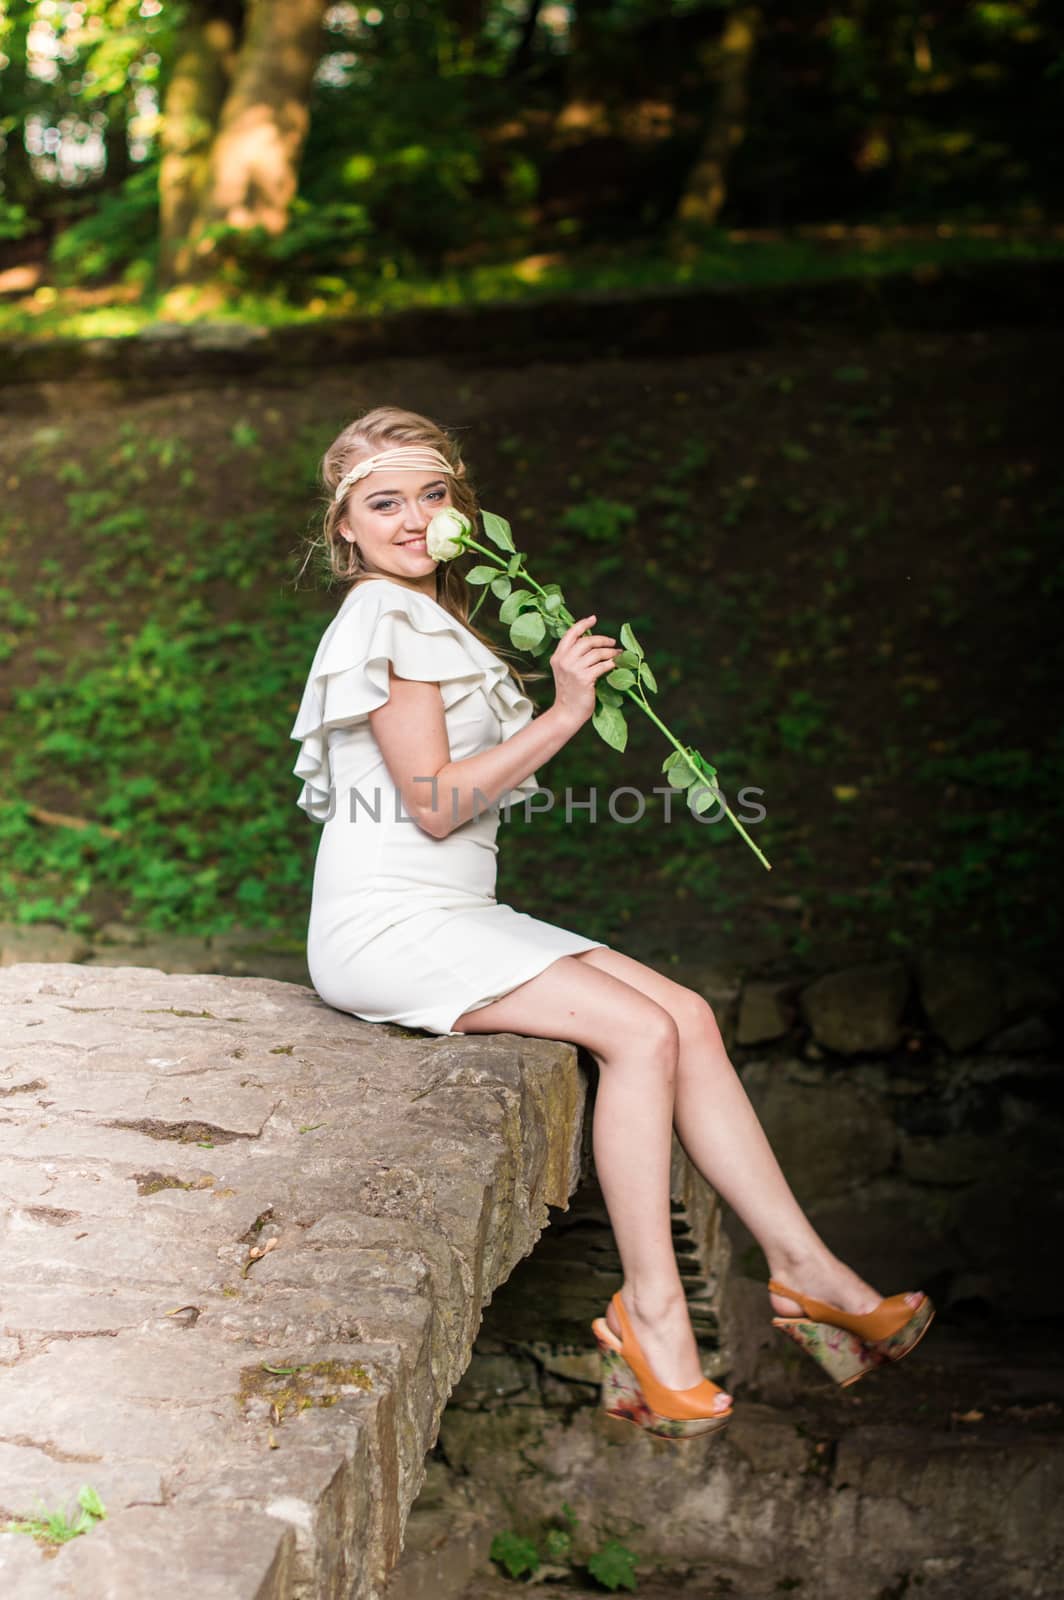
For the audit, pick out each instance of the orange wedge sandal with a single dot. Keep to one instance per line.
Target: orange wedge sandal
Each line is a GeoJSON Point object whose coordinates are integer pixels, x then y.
{"type": "Point", "coordinates": [631, 1392]}
{"type": "Point", "coordinates": [849, 1345]}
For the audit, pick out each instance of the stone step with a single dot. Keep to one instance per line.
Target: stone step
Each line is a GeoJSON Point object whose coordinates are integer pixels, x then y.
{"type": "Point", "coordinates": [942, 1476]}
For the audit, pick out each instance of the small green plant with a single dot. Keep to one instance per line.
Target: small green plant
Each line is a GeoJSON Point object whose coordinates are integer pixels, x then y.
{"type": "Point", "coordinates": [598, 521]}
{"type": "Point", "coordinates": [516, 1554]}
{"type": "Point", "coordinates": [803, 718]}
{"type": "Point", "coordinates": [56, 1527]}
{"type": "Point", "coordinates": [612, 1565]}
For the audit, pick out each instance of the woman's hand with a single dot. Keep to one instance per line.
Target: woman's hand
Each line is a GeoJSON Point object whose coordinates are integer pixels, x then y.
{"type": "Point", "coordinates": [579, 660]}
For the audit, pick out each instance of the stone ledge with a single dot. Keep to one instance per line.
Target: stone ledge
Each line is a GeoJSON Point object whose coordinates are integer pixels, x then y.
{"type": "Point", "coordinates": [206, 1174]}
{"type": "Point", "coordinates": [673, 320]}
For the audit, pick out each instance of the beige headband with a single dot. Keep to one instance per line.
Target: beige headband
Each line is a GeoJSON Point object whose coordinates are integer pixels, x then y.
{"type": "Point", "coordinates": [402, 457]}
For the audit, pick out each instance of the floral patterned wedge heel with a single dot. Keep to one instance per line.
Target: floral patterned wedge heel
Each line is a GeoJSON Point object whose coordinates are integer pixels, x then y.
{"type": "Point", "coordinates": [632, 1393]}
{"type": "Point", "coordinates": [847, 1344]}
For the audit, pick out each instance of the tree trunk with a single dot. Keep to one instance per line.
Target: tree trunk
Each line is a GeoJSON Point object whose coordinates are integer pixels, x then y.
{"type": "Point", "coordinates": [588, 63]}
{"type": "Point", "coordinates": [728, 62]}
{"type": "Point", "coordinates": [467, 17]}
{"type": "Point", "coordinates": [116, 143]}
{"type": "Point", "coordinates": [20, 185]}
{"type": "Point", "coordinates": [588, 17]}
{"type": "Point", "coordinates": [522, 56]}
{"type": "Point", "coordinates": [192, 105]}
{"type": "Point", "coordinates": [254, 161]}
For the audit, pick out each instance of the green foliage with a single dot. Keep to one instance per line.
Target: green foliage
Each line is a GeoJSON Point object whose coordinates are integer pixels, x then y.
{"type": "Point", "coordinates": [443, 163]}
{"type": "Point", "coordinates": [516, 1554]}
{"type": "Point", "coordinates": [413, 162]}
{"type": "Point", "coordinates": [612, 1565]}
{"type": "Point", "coordinates": [55, 1527]}
{"type": "Point", "coordinates": [313, 253]}
{"type": "Point", "coordinates": [16, 222]}
{"type": "Point", "coordinates": [259, 289]}
{"type": "Point", "coordinates": [155, 647]}
{"type": "Point", "coordinates": [598, 521]}
{"type": "Point", "coordinates": [800, 721]}
{"type": "Point", "coordinates": [537, 617]}
{"type": "Point", "coordinates": [609, 723]}
{"type": "Point", "coordinates": [117, 236]}
{"type": "Point", "coordinates": [131, 719]}
{"type": "Point", "coordinates": [497, 530]}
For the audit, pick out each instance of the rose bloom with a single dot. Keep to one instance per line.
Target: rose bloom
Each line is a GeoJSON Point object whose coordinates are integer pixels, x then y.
{"type": "Point", "coordinates": [441, 533]}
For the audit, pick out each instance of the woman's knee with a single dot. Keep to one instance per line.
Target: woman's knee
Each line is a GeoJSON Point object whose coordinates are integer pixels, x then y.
{"type": "Point", "coordinates": [645, 1028]}
{"type": "Point", "coordinates": [573, 1000]}
{"type": "Point", "coordinates": [695, 1017]}
{"type": "Point", "coordinates": [693, 1014]}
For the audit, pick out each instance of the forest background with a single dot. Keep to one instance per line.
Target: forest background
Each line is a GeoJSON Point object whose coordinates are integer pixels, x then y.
{"type": "Point", "coordinates": [845, 538]}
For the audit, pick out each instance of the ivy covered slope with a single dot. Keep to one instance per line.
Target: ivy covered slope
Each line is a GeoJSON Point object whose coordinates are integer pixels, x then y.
{"type": "Point", "coordinates": [841, 558]}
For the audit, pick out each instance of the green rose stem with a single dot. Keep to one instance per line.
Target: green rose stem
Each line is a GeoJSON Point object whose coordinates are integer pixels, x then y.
{"type": "Point", "coordinates": [692, 756]}
{"type": "Point", "coordinates": [451, 537]}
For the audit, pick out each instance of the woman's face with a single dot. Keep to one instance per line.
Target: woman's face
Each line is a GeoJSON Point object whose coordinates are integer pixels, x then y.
{"type": "Point", "coordinates": [387, 515]}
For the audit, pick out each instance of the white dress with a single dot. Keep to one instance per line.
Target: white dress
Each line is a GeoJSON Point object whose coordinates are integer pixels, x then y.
{"type": "Point", "coordinates": [405, 927]}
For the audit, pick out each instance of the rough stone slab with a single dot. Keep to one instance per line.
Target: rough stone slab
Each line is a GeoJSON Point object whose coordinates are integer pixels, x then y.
{"type": "Point", "coordinates": [956, 1158]}
{"type": "Point", "coordinates": [764, 1013]}
{"type": "Point", "coordinates": [827, 1136]}
{"type": "Point", "coordinates": [962, 994]}
{"type": "Point", "coordinates": [201, 1174]}
{"type": "Point", "coordinates": [175, 953]}
{"type": "Point", "coordinates": [152, 1549]}
{"type": "Point", "coordinates": [1029, 1036]}
{"type": "Point", "coordinates": [445, 1545]}
{"type": "Point", "coordinates": [23, 1571]}
{"type": "Point", "coordinates": [805, 1492]}
{"type": "Point", "coordinates": [1028, 989]}
{"type": "Point", "coordinates": [41, 941]}
{"type": "Point", "coordinates": [921, 1500]}
{"type": "Point", "coordinates": [858, 1010]}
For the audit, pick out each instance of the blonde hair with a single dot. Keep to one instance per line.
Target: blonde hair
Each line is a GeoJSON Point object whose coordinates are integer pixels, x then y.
{"type": "Point", "coordinates": [380, 429]}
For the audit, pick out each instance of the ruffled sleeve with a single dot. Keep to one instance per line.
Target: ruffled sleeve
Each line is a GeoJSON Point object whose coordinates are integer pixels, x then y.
{"type": "Point", "coordinates": [381, 622]}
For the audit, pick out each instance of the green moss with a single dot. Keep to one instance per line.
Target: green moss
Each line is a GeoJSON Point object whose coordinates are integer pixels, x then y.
{"type": "Point", "coordinates": [313, 1383]}
{"type": "Point", "coordinates": [154, 1182]}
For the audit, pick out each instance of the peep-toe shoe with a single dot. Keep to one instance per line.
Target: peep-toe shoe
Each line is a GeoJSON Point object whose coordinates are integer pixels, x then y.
{"type": "Point", "coordinates": [631, 1392]}
{"type": "Point", "coordinates": [848, 1344]}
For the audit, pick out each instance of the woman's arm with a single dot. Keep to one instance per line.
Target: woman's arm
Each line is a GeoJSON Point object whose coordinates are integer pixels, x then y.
{"type": "Point", "coordinates": [441, 794]}
{"type": "Point", "coordinates": [437, 792]}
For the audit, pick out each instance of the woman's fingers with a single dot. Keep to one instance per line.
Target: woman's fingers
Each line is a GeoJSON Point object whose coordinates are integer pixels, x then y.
{"type": "Point", "coordinates": [579, 660]}
{"type": "Point", "coordinates": [574, 629]}
{"type": "Point", "coordinates": [593, 646]}
{"type": "Point", "coordinates": [590, 638]}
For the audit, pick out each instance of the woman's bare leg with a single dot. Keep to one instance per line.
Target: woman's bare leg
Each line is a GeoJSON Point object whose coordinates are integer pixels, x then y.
{"type": "Point", "coordinates": [635, 1042]}
{"type": "Point", "coordinates": [720, 1131]}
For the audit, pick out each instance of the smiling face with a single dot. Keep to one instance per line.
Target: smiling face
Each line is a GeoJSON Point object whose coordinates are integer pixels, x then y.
{"type": "Point", "coordinates": [387, 514]}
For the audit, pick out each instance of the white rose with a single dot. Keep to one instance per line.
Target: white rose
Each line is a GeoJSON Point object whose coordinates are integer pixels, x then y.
{"type": "Point", "coordinates": [443, 531]}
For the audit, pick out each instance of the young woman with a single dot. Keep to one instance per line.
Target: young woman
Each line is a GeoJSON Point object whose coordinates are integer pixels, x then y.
{"type": "Point", "coordinates": [412, 733]}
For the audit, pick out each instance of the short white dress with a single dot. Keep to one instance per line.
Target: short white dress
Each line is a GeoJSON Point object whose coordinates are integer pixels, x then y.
{"type": "Point", "coordinates": [405, 927]}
